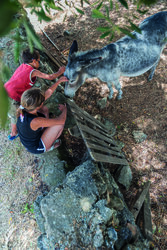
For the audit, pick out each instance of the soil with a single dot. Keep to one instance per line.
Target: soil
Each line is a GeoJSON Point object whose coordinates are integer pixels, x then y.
{"type": "Point", "coordinates": [143, 107]}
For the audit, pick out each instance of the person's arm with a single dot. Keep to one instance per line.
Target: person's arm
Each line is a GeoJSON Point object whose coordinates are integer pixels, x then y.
{"type": "Point", "coordinates": [44, 122]}
{"type": "Point", "coordinates": [37, 73]}
{"type": "Point", "coordinates": [50, 91]}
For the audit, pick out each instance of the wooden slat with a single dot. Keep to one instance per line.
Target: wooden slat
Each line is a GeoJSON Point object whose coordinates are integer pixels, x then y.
{"type": "Point", "coordinates": [103, 150]}
{"type": "Point", "coordinates": [138, 204]}
{"type": "Point", "coordinates": [101, 142]}
{"type": "Point", "coordinates": [90, 120]}
{"type": "Point", "coordinates": [96, 134]}
{"type": "Point", "coordinates": [93, 124]}
{"type": "Point", "coordinates": [109, 159]}
{"type": "Point", "coordinates": [147, 218]}
{"type": "Point", "coordinates": [100, 145]}
{"type": "Point", "coordinates": [76, 109]}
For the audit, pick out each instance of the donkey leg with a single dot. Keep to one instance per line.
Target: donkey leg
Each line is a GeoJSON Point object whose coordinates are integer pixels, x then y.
{"type": "Point", "coordinates": [110, 89]}
{"type": "Point", "coordinates": [118, 88]}
{"type": "Point", "coordinates": [153, 70]}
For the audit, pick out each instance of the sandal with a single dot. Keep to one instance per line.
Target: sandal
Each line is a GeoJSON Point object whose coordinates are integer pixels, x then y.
{"type": "Point", "coordinates": [11, 138]}
{"type": "Point", "coordinates": [56, 144]}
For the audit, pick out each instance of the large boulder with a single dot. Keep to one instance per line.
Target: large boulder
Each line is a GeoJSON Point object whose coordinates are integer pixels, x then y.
{"type": "Point", "coordinates": [84, 211]}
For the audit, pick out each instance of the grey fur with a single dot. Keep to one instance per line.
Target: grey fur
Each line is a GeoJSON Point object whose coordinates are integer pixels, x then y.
{"type": "Point", "coordinates": [126, 57]}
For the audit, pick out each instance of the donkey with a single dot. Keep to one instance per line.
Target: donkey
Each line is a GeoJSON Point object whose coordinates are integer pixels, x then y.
{"type": "Point", "coordinates": [126, 57]}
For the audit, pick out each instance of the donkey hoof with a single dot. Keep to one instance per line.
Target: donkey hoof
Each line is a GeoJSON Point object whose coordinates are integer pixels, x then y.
{"type": "Point", "coordinates": [110, 96]}
{"type": "Point", "coordinates": [150, 78]}
{"type": "Point", "coordinates": [119, 97]}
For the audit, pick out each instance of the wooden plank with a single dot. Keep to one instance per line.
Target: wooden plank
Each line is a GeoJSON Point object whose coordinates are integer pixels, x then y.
{"type": "Point", "coordinates": [97, 138]}
{"type": "Point", "coordinates": [94, 125]}
{"type": "Point", "coordinates": [103, 149]}
{"type": "Point", "coordinates": [100, 142]}
{"type": "Point", "coordinates": [109, 159]}
{"type": "Point", "coordinates": [138, 204]}
{"type": "Point", "coordinates": [147, 229]}
{"type": "Point", "coordinates": [96, 134]}
{"type": "Point", "coordinates": [81, 118]}
{"type": "Point", "coordinates": [101, 157]}
{"type": "Point", "coordinates": [76, 109]}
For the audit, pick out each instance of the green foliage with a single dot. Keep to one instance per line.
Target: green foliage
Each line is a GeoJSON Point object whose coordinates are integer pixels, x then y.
{"type": "Point", "coordinates": [5, 72]}
{"type": "Point", "coordinates": [101, 9]}
{"type": "Point", "coordinates": [147, 2]}
{"type": "Point", "coordinates": [32, 38]}
{"type": "Point", "coordinates": [124, 3]}
{"type": "Point", "coordinates": [28, 208]}
{"type": "Point", "coordinates": [80, 11]}
{"type": "Point", "coordinates": [8, 9]}
{"type": "Point", "coordinates": [4, 105]}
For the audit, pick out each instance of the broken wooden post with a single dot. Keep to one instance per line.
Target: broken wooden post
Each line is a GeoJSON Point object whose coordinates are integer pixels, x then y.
{"type": "Point", "coordinates": [142, 211]}
{"type": "Point", "coordinates": [138, 204]}
{"type": "Point", "coordinates": [147, 223]}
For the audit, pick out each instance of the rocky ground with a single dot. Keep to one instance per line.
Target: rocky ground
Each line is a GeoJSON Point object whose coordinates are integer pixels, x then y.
{"type": "Point", "coordinates": [143, 107]}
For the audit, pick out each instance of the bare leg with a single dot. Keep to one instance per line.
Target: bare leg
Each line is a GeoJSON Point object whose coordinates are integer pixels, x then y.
{"type": "Point", "coordinates": [51, 134]}
{"type": "Point", "coordinates": [14, 129]}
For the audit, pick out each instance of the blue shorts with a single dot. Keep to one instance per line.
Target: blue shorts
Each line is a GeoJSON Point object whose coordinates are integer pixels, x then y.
{"type": "Point", "coordinates": [39, 149]}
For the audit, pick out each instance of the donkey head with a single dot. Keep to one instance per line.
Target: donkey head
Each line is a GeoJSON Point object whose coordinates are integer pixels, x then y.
{"type": "Point", "coordinates": [76, 69]}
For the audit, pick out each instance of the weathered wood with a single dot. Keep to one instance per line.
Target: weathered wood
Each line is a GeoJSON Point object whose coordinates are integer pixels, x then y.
{"type": "Point", "coordinates": [138, 204]}
{"type": "Point", "coordinates": [100, 144]}
{"type": "Point", "coordinates": [109, 159]}
{"type": "Point", "coordinates": [65, 58]}
{"type": "Point", "coordinates": [147, 225]}
{"type": "Point", "coordinates": [88, 121]}
{"type": "Point", "coordinates": [80, 116]}
{"type": "Point", "coordinates": [98, 135]}
{"type": "Point", "coordinates": [104, 149]}
{"type": "Point", "coordinates": [92, 124]}
{"type": "Point", "coordinates": [53, 59]}
{"type": "Point", "coordinates": [75, 131]}
{"type": "Point", "coordinates": [85, 115]}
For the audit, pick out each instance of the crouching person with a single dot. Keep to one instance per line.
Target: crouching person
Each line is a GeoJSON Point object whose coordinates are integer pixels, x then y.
{"type": "Point", "coordinates": [37, 132]}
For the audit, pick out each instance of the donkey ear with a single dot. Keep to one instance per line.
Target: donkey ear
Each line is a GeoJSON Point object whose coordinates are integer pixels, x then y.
{"type": "Point", "coordinates": [74, 48]}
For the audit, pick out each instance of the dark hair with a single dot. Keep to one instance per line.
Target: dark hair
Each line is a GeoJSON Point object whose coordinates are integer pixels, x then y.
{"type": "Point", "coordinates": [27, 56]}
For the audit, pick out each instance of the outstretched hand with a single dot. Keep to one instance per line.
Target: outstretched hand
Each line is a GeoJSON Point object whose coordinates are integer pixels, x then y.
{"type": "Point", "coordinates": [62, 107]}
{"type": "Point", "coordinates": [62, 70]}
{"type": "Point", "coordinates": [63, 79]}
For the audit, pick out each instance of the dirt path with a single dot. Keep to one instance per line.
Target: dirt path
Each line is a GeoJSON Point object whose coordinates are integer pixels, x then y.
{"type": "Point", "coordinates": [19, 185]}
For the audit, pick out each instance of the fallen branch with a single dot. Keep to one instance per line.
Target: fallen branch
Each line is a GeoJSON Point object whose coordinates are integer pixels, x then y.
{"type": "Point", "coordinates": [65, 58]}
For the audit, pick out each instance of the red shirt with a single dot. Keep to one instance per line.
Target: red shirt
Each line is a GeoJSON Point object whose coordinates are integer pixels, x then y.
{"type": "Point", "coordinates": [20, 81]}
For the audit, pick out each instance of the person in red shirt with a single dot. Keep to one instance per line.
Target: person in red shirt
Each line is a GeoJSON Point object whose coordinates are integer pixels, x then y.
{"type": "Point", "coordinates": [23, 79]}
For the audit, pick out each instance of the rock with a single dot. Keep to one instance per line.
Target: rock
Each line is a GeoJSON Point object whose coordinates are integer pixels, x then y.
{"type": "Point", "coordinates": [75, 214]}
{"type": "Point", "coordinates": [110, 126]}
{"type": "Point", "coordinates": [52, 170]}
{"type": "Point", "coordinates": [102, 103]}
{"type": "Point", "coordinates": [115, 203]}
{"type": "Point", "coordinates": [139, 136]}
{"type": "Point", "coordinates": [112, 234]}
{"type": "Point", "coordinates": [124, 176]}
